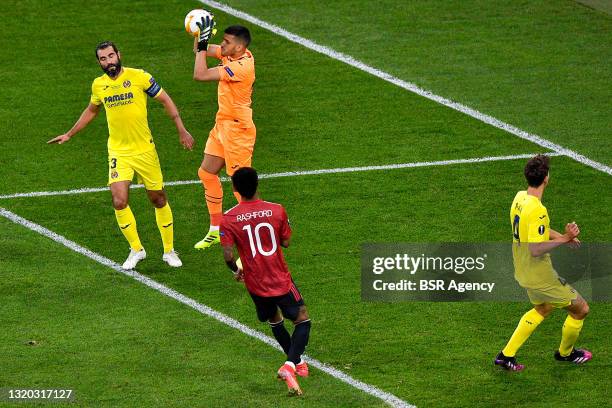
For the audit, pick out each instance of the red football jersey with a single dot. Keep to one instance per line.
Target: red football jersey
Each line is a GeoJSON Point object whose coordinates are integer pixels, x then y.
{"type": "Point", "coordinates": [257, 228]}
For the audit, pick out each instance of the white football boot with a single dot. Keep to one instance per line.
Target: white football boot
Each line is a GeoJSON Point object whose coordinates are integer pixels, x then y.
{"type": "Point", "coordinates": [172, 259]}
{"type": "Point", "coordinates": [133, 258]}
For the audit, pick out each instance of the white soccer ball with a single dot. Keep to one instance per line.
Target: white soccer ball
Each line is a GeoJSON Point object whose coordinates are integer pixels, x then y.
{"type": "Point", "coordinates": [192, 17]}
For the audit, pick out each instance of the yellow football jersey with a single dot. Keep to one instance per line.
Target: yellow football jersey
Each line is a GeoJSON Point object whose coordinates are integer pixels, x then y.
{"type": "Point", "coordinates": [530, 224]}
{"type": "Point", "coordinates": [125, 102]}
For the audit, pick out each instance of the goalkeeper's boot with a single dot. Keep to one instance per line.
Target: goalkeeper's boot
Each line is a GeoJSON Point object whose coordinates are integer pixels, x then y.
{"type": "Point", "coordinates": [172, 259]}
{"type": "Point", "coordinates": [508, 363]}
{"type": "Point", "coordinates": [209, 240]}
{"type": "Point", "coordinates": [133, 258]}
{"type": "Point", "coordinates": [301, 369]}
{"type": "Point", "coordinates": [577, 356]}
{"type": "Point", "coordinates": [287, 374]}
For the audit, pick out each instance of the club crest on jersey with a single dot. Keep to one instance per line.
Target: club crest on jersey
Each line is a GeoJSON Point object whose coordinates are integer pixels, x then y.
{"type": "Point", "coordinates": [114, 174]}
{"type": "Point", "coordinates": [541, 229]}
{"type": "Point", "coordinates": [127, 84]}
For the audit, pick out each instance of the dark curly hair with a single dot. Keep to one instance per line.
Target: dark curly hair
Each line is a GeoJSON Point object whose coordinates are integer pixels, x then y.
{"type": "Point", "coordinates": [536, 170]}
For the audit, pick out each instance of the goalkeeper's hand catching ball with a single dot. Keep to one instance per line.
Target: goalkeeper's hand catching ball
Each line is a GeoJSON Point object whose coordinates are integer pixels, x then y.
{"type": "Point", "coordinates": [207, 30]}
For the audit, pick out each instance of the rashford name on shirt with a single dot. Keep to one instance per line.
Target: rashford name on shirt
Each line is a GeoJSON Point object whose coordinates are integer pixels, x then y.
{"type": "Point", "coordinates": [252, 215]}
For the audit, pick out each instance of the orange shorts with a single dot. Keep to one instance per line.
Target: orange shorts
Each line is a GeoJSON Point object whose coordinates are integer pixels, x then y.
{"type": "Point", "coordinates": [233, 142]}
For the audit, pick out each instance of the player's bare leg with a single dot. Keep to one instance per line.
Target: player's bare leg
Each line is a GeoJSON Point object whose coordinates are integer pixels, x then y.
{"type": "Point", "coordinates": [213, 192]}
{"type": "Point", "coordinates": [165, 224]}
{"type": "Point", "coordinates": [577, 312]}
{"type": "Point", "coordinates": [120, 192]}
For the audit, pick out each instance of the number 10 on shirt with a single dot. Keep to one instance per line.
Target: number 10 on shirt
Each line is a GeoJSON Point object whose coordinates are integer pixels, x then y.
{"type": "Point", "coordinates": [255, 239]}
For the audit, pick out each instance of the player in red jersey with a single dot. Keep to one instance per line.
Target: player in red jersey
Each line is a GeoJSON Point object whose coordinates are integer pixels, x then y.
{"type": "Point", "coordinates": [258, 229]}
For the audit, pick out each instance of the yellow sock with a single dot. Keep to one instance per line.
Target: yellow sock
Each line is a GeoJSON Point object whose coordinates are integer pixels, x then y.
{"type": "Point", "coordinates": [127, 223]}
{"type": "Point", "coordinates": [163, 216]}
{"type": "Point", "coordinates": [526, 326]}
{"type": "Point", "coordinates": [569, 335]}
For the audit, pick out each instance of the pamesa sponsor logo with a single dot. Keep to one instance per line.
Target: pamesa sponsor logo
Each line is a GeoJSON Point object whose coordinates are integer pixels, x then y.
{"type": "Point", "coordinates": [120, 99]}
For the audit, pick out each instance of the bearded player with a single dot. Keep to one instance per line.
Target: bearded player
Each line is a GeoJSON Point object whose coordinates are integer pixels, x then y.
{"type": "Point", "coordinates": [258, 229]}
{"type": "Point", "coordinates": [231, 141]}
{"type": "Point", "coordinates": [123, 91]}
{"type": "Point", "coordinates": [533, 239]}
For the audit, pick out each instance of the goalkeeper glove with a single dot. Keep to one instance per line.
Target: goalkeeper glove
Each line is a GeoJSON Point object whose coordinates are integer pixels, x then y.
{"type": "Point", "coordinates": [207, 30]}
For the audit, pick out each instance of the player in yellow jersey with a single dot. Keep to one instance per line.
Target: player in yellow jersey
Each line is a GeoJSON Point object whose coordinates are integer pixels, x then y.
{"type": "Point", "coordinates": [123, 92]}
{"type": "Point", "coordinates": [231, 142]}
{"type": "Point", "coordinates": [533, 239]}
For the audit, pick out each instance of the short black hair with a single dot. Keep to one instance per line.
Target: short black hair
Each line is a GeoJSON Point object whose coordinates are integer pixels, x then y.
{"type": "Point", "coordinates": [241, 32]}
{"type": "Point", "coordinates": [536, 170]}
{"type": "Point", "coordinates": [245, 182]}
{"type": "Point", "coordinates": [106, 44]}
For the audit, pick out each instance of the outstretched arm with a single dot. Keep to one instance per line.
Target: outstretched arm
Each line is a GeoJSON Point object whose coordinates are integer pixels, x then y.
{"type": "Point", "coordinates": [90, 112]}
{"type": "Point", "coordinates": [172, 111]}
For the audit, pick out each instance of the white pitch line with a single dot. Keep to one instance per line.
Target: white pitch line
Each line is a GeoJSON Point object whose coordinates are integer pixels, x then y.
{"type": "Point", "coordinates": [203, 309]}
{"type": "Point", "coordinates": [347, 59]}
{"type": "Point", "coordinates": [291, 174]}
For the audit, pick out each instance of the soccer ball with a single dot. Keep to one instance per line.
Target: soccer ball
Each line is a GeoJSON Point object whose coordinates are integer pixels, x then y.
{"type": "Point", "coordinates": [193, 17]}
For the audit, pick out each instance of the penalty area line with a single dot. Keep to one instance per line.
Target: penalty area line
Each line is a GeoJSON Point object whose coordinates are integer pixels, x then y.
{"type": "Point", "coordinates": [203, 309]}
{"type": "Point", "coordinates": [349, 60]}
{"type": "Point", "coordinates": [293, 174]}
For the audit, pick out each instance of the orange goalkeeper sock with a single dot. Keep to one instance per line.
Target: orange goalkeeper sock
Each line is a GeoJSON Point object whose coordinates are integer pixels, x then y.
{"type": "Point", "coordinates": [213, 192]}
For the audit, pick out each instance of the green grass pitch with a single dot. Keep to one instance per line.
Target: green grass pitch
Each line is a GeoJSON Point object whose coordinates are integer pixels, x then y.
{"type": "Point", "coordinates": [541, 66]}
